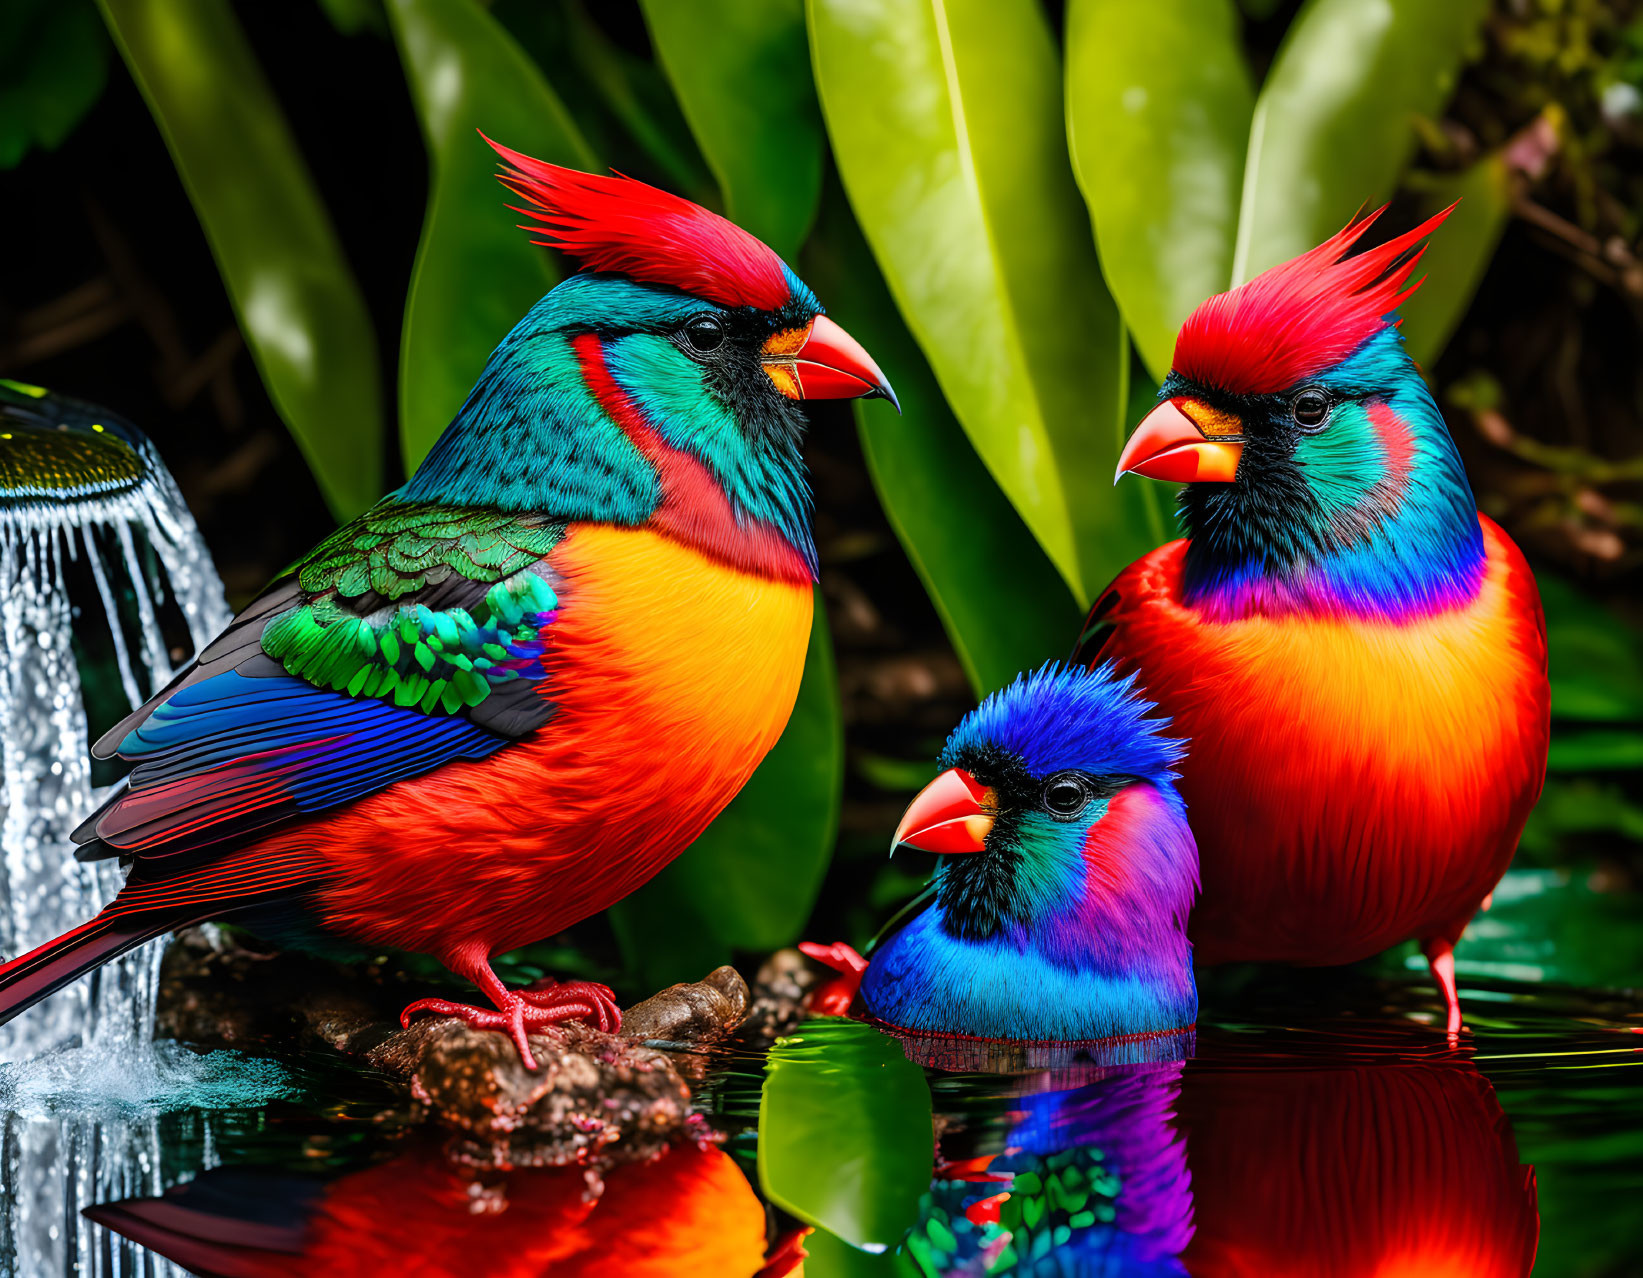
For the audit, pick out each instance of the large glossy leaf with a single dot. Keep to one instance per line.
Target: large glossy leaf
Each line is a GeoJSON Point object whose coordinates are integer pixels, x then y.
{"type": "Point", "coordinates": [1334, 123]}
{"type": "Point", "coordinates": [749, 882]}
{"type": "Point", "coordinates": [1159, 100]}
{"type": "Point", "coordinates": [742, 75]}
{"type": "Point", "coordinates": [1549, 925]}
{"type": "Point", "coordinates": [1458, 255]}
{"type": "Point", "coordinates": [621, 102]}
{"type": "Point", "coordinates": [1004, 606]}
{"type": "Point", "coordinates": [947, 127]}
{"type": "Point", "coordinates": [1595, 658]}
{"type": "Point", "coordinates": [476, 273]}
{"type": "Point", "coordinates": [53, 66]}
{"type": "Point", "coordinates": [299, 308]}
{"type": "Point", "coordinates": [845, 1137]}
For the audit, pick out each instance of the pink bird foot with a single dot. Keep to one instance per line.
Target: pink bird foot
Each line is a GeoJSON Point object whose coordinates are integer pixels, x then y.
{"type": "Point", "coordinates": [1440, 957]}
{"type": "Point", "coordinates": [538, 1006]}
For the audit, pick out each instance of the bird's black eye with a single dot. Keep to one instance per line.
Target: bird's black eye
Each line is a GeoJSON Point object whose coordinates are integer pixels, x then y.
{"type": "Point", "coordinates": [1066, 795]}
{"type": "Point", "coordinates": [704, 333]}
{"type": "Point", "coordinates": [1310, 409]}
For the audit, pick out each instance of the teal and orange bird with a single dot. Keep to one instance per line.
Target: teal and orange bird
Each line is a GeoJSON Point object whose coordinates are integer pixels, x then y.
{"type": "Point", "coordinates": [1355, 655]}
{"type": "Point", "coordinates": [518, 686]}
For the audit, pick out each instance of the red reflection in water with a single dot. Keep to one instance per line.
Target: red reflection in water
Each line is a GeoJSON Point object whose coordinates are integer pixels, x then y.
{"type": "Point", "coordinates": [1394, 1170]}
{"type": "Point", "coordinates": [690, 1211]}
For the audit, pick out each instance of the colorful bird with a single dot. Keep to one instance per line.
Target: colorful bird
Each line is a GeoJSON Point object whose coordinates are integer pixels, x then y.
{"type": "Point", "coordinates": [518, 686]}
{"type": "Point", "coordinates": [1356, 656]}
{"type": "Point", "coordinates": [1059, 910]}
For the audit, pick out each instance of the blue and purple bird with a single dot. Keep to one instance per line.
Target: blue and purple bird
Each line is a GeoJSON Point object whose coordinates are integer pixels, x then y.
{"type": "Point", "coordinates": [1059, 910]}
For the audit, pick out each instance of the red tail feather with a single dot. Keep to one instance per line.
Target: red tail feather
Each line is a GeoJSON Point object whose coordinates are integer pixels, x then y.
{"type": "Point", "coordinates": [26, 980]}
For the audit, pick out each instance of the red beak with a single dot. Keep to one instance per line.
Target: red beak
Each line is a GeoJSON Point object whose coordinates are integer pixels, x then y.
{"type": "Point", "coordinates": [824, 362]}
{"type": "Point", "coordinates": [1184, 442]}
{"type": "Point", "coordinates": [951, 814]}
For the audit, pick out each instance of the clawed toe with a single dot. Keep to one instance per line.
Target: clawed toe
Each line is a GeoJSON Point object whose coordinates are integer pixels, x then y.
{"type": "Point", "coordinates": [540, 1006]}
{"type": "Point", "coordinates": [570, 997]}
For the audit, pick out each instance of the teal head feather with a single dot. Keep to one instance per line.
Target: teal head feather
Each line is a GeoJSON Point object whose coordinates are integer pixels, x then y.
{"type": "Point", "coordinates": [665, 377]}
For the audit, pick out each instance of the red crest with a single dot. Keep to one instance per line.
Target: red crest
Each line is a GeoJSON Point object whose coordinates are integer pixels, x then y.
{"type": "Point", "coordinates": [618, 224]}
{"type": "Point", "coordinates": [1302, 316]}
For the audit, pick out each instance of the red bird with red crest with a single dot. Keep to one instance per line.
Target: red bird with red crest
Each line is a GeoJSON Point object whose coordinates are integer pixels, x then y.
{"type": "Point", "coordinates": [1356, 656]}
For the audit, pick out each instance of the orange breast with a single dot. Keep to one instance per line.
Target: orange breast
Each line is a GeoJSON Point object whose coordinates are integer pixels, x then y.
{"type": "Point", "coordinates": [1351, 783]}
{"type": "Point", "coordinates": [672, 676]}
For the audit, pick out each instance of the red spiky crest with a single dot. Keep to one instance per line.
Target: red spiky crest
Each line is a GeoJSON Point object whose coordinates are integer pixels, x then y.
{"type": "Point", "coordinates": [618, 224]}
{"type": "Point", "coordinates": [1305, 315]}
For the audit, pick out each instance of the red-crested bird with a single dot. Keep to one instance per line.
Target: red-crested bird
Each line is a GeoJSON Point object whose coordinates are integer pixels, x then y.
{"type": "Point", "coordinates": [515, 688]}
{"type": "Point", "coordinates": [1355, 655]}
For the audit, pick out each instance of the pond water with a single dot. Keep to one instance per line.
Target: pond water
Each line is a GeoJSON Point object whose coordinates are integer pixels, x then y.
{"type": "Point", "coordinates": [1319, 1125]}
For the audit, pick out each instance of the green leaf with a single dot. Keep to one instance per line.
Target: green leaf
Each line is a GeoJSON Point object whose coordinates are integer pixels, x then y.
{"type": "Point", "coordinates": [621, 102]}
{"type": "Point", "coordinates": [1549, 925]}
{"type": "Point", "coordinates": [1159, 100]}
{"type": "Point", "coordinates": [1595, 658]}
{"type": "Point", "coordinates": [1458, 255]}
{"type": "Point", "coordinates": [351, 17]}
{"type": "Point", "coordinates": [1334, 123]}
{"type": "Point", "coordinates": [828, 1256]}
{"type": "Point", "coordinates": [476, 272]}
{"type": "Point", "coordinates": [1004, 606]}
{"type": "Point", "coordinates": [742, 76]}
{"type": "Point", "coordinates": [1596, 750]}
{"type": "Point", "coordinates": [1572, 808]}
{"type": "Point", "coordinates": [845, 1137]}
{"type": "Point", "coordinates": [297, 302]}
{"type": "Point", "coordinates": [946, 123]}
{"type": "Point", "coordinates": [751, 879]}
{"type": "Point", "coordinates": [53, 66]}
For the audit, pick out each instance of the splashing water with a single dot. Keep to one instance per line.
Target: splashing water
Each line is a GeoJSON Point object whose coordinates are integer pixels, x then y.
{"type": "Point", "coordinates": [81, 494]}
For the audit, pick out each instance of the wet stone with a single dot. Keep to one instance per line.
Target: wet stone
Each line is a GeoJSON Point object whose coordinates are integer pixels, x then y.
{"type": "Point", "coordinates": [595, 1099]}
{"type": "Point", "coordinates": [779, 991]}
{"type": "Point", "coordinates": [696, 1014]}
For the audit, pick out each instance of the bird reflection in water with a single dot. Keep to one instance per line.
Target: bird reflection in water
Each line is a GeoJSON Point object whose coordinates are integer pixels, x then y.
{"type": "Point", "coordinates": [1233, 1164]}
{"type": "Point", "coordinates": [690, 1211]}
{"type": "Point", "coordinates": [1360, 1161]}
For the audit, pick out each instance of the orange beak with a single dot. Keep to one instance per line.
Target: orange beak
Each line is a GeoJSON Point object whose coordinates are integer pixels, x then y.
{"type": "Point", "coordinates": [951, 814]}
{"type": "Point", "coordinates": [823, 362]}
{"type": "Point", "coordinates": [1184, 441]}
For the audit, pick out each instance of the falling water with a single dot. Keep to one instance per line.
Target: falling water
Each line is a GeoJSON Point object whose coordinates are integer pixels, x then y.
{"type": "Point", "coordinates": [84, 1098]}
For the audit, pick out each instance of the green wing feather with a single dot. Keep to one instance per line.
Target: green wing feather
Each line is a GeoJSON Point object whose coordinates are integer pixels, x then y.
{"type": "Point", "coordinates": [432, 607]}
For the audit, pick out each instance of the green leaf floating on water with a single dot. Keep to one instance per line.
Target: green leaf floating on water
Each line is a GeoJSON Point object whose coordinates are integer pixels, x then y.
{"type": "Point", "coordinates": [845, 1137]}
{"type": "Point", "coordinates": [1159, 100]}
{"type": "Point", "coordinates": [298, 305]}
{"type": "Point", "coordinates": [476, 272]}
{"type": "Point", "coordinates": [741, 72]}
{"type": "Point", "coordinates": [946, 121]}
{"type": "Point", "coordinates": [751, 879]}
{"type": "Point", "coordinates": [1334, 122]}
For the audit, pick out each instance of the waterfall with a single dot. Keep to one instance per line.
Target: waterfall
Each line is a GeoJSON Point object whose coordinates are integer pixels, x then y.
{"type": "Point", "coordinates": [86, 1090]}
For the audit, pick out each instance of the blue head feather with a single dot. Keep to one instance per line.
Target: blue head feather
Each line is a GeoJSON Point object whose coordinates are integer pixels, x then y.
{"type": "Point", "coordinates": [1065, 927]}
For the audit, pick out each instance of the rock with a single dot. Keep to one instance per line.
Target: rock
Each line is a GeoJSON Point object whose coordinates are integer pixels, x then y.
{"type": "Point", "coordinates": [779, 993]}
{"type": "Point", "coordinates": [695, 1014]}
{"type": "Point", "coordinates": [595, 1099]}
